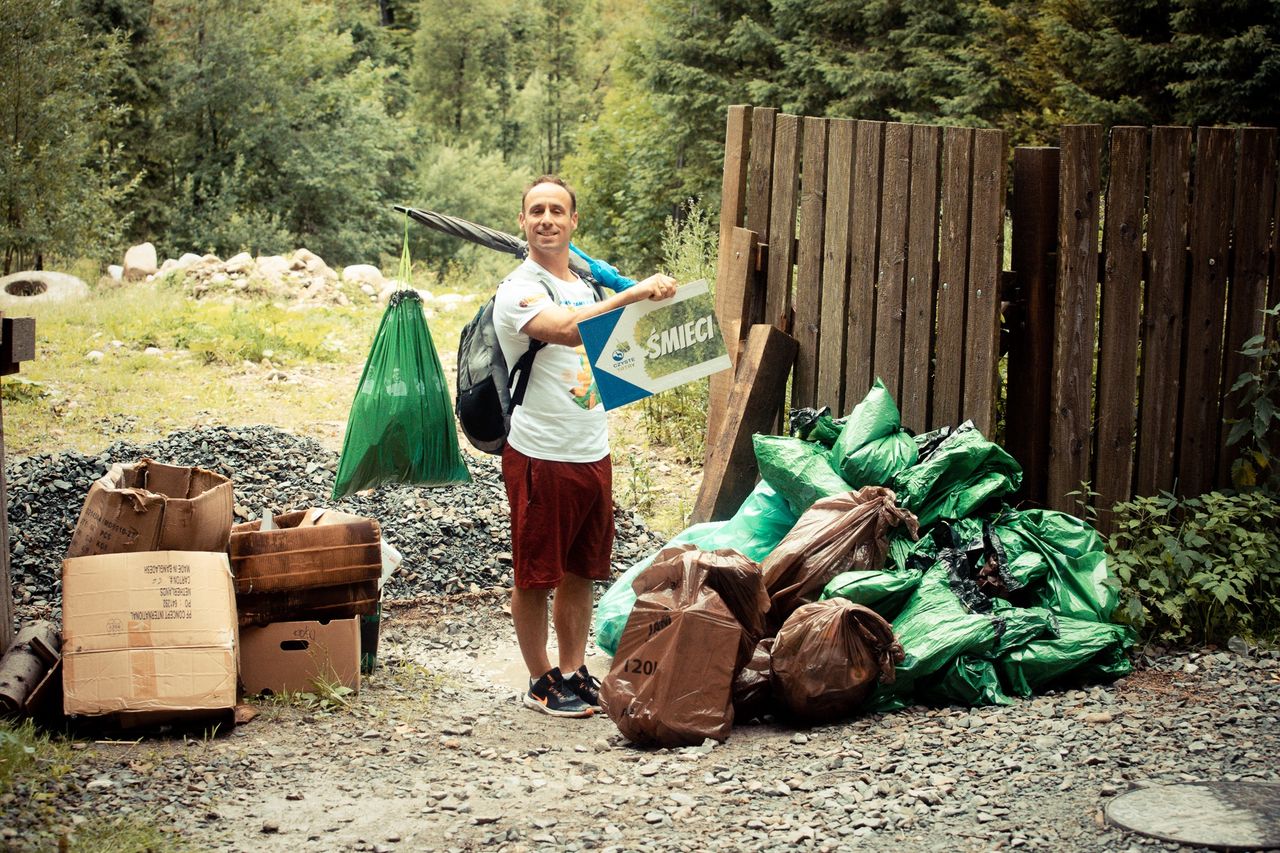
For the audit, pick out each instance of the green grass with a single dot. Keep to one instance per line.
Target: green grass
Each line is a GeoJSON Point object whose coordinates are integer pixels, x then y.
{"type": "Point", "coordinates": [32, 767]}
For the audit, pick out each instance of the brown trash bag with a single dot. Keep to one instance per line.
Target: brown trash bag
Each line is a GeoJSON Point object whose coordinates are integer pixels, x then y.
{"type": "Point", "coordinates": [829, 656]}
{"type": "Point", "coordinates": [837, 534]}
{"type": "Point", "coordinates": [671, 683]}
{"type": "Point", "coordinates": [753, 685]}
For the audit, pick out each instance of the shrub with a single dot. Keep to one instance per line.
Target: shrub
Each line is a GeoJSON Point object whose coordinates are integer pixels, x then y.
{"type": "Point", "coordinates": [1198, 570]}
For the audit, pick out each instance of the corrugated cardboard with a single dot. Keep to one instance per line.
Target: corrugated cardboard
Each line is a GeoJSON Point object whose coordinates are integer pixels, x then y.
{"type": "Point", "coordinates": [293, 656]}
{"type": "Point", "coordinates": [151, 506]}
{"type": "Point", "coordinates": [307, 549]}
{"type": "Point", "coordinates": [148, 632]}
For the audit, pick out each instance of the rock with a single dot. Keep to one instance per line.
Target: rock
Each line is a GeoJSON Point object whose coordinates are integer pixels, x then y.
{"type": "Point", "coordinates": [94, 356]}
{"type": "Point", "coordinates": [140, 262]}
{"type": "Point", "coordinates": [1097, 717]}
{"type": "Point", "coordinates": [272, 267]}
{"type": "Point", "coordinates": [239, 264]}
{"type": "Point", "coordinates": [366, 274]}
{"type": "Point", "coordinates": [116, 272]}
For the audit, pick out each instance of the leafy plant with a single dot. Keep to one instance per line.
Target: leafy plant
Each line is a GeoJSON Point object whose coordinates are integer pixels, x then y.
{"type": "Point", "coordinates": [1255, 434]}
{"type": "Point", "coordinates": [1198, 570]}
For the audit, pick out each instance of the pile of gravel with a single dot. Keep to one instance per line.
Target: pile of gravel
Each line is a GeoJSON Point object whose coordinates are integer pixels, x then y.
{"type": "Point", "coordinates": [454, 538]}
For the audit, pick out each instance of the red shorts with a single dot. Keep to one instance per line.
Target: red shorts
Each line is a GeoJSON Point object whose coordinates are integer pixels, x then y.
{"type": "Point", "coordinates": [561, 518]}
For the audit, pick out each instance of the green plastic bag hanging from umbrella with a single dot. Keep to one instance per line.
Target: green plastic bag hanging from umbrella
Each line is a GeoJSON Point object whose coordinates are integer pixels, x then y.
{"type": "Point", "coordinates": [401, 428]}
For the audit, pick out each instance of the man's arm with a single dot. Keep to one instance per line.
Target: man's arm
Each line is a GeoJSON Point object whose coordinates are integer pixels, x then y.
{"type": "Point", "coordinates": [556, 324]}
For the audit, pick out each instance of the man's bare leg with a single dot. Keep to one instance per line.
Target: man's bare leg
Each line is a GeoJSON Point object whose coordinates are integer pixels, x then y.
{"type": "Point", "coordinates": [571, 611]}
{"type": "Point", "coordinates": [529, 615]}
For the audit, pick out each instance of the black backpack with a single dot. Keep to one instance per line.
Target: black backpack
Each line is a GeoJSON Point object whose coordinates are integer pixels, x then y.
{"type": "Point", "coordinates": [487, 392]}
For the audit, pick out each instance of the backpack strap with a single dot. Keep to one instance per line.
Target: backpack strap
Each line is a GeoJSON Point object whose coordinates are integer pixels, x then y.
{"type": "Point", "coordinates": [518, 379]}
{"type": "Point", "coordinates": [524, 364]}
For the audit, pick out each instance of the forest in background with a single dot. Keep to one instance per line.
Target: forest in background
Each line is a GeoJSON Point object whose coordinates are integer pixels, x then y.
{"type": "Point", "coordinates": [265, 125]}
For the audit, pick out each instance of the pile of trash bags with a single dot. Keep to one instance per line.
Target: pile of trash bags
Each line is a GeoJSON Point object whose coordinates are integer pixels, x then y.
{"type": "Point", "coordinates": [869, 570]}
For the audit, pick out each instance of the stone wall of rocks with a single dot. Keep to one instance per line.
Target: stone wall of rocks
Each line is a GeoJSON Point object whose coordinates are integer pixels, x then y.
{"type": "Point", "coordinates": [454, 539]}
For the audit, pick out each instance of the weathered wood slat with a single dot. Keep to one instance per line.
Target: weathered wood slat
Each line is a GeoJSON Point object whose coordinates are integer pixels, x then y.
{"type": "Point", "coordinates": [891, 265]}
{"type": "Point", "coordinates": [759, 195]}
{"type": "Point", "coordinates": [782, 221]}
{"type": "Point", "coordinates": [922, 255]}
{"type": "Point", "coordinates": [953, 271]}
{"type": "Point", "coordinates": [1255, 190]}
{"type": "Point", "coordinates": [863, 240]}
{"type": "Point", "coordinates": [1074, 308]}
{"type": "Point", "coordinates": [982, 300]}
{"type": "Point", "coordinates": [808, 283]}
{"type": "Point", "coordinates": [1121, 320]}
{"type": "Point", "coordinates": [1034, 253]}
{"type": "Point", "coordinates": [1211, 209]}
{"type": "Point", "coordinates": [734, 277]}
{"type": "Point", "coordinates": [733, 186]}
{"type": "Point", "coordinates": [759, 389]}
{"type": "Point", "coordinates": [835, 265]}
{"type": "Point", "coordinates": [1163, 308]}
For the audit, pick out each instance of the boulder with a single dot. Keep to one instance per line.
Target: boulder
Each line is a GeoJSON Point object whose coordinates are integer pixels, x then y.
{"type": "Point", "coordinates": [140, 262]}
{"type": "Point", "coordinates": [116, 272]}
{"type": "Point", "coordinates": [365, 274]}
{"type": "Point", "coordinates": [239, 264]}
{"type": "Point", "coordinates": [273, 267]}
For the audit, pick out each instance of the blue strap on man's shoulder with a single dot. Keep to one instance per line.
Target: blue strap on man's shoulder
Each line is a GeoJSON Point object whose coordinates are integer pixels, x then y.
{"type": "Point", "coordinates": [604, 273]}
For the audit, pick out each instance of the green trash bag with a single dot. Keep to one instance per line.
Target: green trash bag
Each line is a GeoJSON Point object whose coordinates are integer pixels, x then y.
{"type": "Point", "coordinates": [1062, 561]}
{"type": "Point", "coordinates": [963, 473]}
{"type": "Point", "coordinates": [970, 680]}
{"type": "Point", "coordinates": [754, 530]}
{"type": "Point", "coordinates": [815, 425]}
{"type": "Point", "coordinates": [873, 446]}
{"type": "Point", "coordinates": [884, 591]}
{"type": "Point", "coordinates": [934, 628]}
{"type": "Point", "coordinates": [1080, 648]}
{"type": "Point", "coordinates": [401, 427]}
{"type": "Point", "coordinates": [798, 470]}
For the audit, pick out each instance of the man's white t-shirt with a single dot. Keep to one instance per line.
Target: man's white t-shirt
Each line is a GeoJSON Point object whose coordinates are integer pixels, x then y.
{"type": "Point", "coordinates": [561, 418]}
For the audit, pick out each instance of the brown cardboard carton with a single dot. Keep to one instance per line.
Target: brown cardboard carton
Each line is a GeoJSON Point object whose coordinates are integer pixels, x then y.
{"type": "Point", "coordinates": [150, 506]}
{"type": "Point", "coordinates": [309, 548]}
{"type": "Point", "coordinates": [149, 633]}
{"type": "Point", "coordinates": [293, 656]}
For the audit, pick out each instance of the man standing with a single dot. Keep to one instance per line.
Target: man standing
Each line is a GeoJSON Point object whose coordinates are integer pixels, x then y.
{"type": "Point", "coordinates": [556, 463]}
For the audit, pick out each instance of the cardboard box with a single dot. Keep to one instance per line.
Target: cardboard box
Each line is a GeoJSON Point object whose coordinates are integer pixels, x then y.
{"type": "Point", "coordinates": [151, 633]}
{"type": "Point", "coordinates": [293, 656]}
{"type": "Point", "coordinates": [307, 549]}
{"type": "Point", "coordinates": [151, 506]}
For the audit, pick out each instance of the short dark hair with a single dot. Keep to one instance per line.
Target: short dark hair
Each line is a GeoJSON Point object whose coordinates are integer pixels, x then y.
{"type": "Point", "coordinates": [551, 179]}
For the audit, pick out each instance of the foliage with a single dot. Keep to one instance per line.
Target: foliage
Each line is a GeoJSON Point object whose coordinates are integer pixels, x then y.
{"type": "Point", "coordinates": [1198, 570]}
{"type": "Point", "coordinates": [1259, 398]}
{"type": "Point", "coordinates": [61, 190]}
{"type": "Point", "coordinates": [677, 418]}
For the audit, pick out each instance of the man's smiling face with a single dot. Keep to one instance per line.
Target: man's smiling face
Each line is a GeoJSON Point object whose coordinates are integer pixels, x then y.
{"type": "Point", "coordinates": [548, 220]}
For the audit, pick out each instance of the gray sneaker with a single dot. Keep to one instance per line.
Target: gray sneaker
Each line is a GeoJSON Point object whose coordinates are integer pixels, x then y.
{"type": "Point", "coordinates": [586, 687]}
{"type": "Point", "coordinates": [551, 695]}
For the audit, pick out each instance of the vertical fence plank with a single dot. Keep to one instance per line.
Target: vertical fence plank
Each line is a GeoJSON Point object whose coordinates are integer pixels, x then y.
{"type": "Point", "coordinates": [1121, 320]}
{"type": "Point", "coordinates": [782, 221]}
{"type": "Point", "coordinates": [1255, 189]}
{"type": "Point", "coordinates": [986, 258]}
{"type": "Point", "coordinates": [759, 193]}
{"type": "Point", "coordinates": [891, 265]}
{"type": "Point", "coordinates": [1163, 308]}
{"type": "Point", "coordinates": [922, 255]}
{"type": "Point", "coordinates": [730, 294]}
{"type": "Point", "coordinates": [733, 186]}
{"type": "Point", "coordinates": [1211, 209]}
{"type": "Point", "coordinates": [953, 267]}
{"type": "Point", "coordinates": [1035, 242]}
{"type": "Point", "coordinates": [1074, 307]}
{"type": "Point", "coordinates": [808, 294]}
{"type": "Point", "coordinates": [835, 265]}
{"type": "Point", "coordinates": [864, 233]}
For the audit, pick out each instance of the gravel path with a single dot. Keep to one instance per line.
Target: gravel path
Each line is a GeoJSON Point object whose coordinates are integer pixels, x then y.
{"type": "Point", "coordinates": [437, 754]}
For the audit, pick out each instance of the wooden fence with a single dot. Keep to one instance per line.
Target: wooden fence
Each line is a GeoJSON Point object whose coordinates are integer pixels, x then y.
{"type": "Point", "coordinates": [880, 247]}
